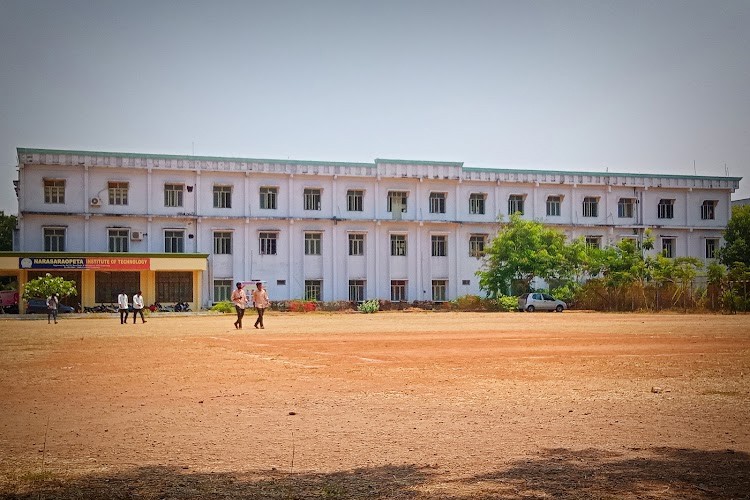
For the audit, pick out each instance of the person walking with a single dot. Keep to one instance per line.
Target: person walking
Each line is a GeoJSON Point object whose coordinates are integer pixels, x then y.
{"type": "Point", "coordinates": [260, 301]}
{"type": "Point", "coordinates": [239, 299]}
{"type": "Point", "coordinates": [122, 306]}
{"type": "Point", "coordinates": [138, 306]}
{"type": "Point", "coordinates": [52, 305]}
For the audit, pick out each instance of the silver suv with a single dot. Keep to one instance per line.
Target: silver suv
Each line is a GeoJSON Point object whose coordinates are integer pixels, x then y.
{"type": "Point", "coordinates": [540, 302]}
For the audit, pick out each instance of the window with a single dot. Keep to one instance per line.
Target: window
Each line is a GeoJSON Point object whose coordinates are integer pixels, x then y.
{"type": "Point", "coordinates": [396, 200]}
{"type": "Point", "coordinates": [280, 282]}
{"type": "Point", "coordinates": [665, 209]}
{"type": "Point", "coordinates": [222, 242]}
{"type": "Point", "coordinates": [313, 289]}
{"type": "Point", "coordinates": [590, 206]}
{"type": "Point", "coordinates": [438, 245]}
{"type": "Point", "coordinates": [109, 284]}
{"type": "Point", "coordinates": [356, 244]}
{"type": "Point", "coordinates": [515, 204]}
{"type": "Point", "coordinates": [356, 290]}
{"type": "Point", "coordinates": [174, 241]}
{"type": "Point", "coordinates": [667, 247]}
{"type": "Point", "coordinates": [437, 203]}
{"type": "Point", "coordinates": [625, 208]}
{"type": "Point", "coordinates": [312, 243]}
{"type": "Point", "coordinates": [267, 243]}
{"type": "Point", "coordinates": [398, 290]}
{"type": "Point", "coordinates": [54, 239]}
{"type": "Point", "coordinates": [268, 197]}
{"type": "Point", "coordinates": [476, 245]}
{"type": "Point", "coordinates": [438, 290]}
{"type": "Point", "coordinates": [712, 244]}
{"type": "Point", "coordinates": [476, 203]}
{"type": "Point", "coordinates": [173, 195]}
{"type": "Point", "coordinates": [118, 193]}
{"type": "Point", "coordinates": [466, 282]}
{"type": "Point", "coordinates": [222, 196]}
{"type": "Point", "coordinates": [553, 206]}
{"type": "Point", "coordinates": [174, 286]}
{"type": "Point", "coordinates": [118, 240]}
{"type": "Point", "coordinates": [708, 209]}
{"type": "Point", "coordinates": [312, 199]}
{"type": "Point", "coordinates": [54, 191]}
{"type": "Point", "coordinates": [398, 245]}
{"type": "Point", "coordinates": [222, 290]}
{"type": "Point", "coordinates": [355, 200]}
{"type": "Point", "coordinates": [594, 241]}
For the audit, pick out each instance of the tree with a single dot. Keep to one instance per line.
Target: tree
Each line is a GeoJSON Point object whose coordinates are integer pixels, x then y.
{"type": "Point", "coordinates": [44, 286]}
{"type": "Point", "coordinates": [7, 226]}
{"type": "Point", "coordinates": [523, 250]}
{"type": "Point", "coordinates": [737, 237]}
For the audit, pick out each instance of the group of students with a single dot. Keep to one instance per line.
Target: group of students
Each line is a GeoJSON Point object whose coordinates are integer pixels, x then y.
{"type": "Point", "coordinates": [122, 306]}
{"type": "Point", "coordinates": [260, 302]}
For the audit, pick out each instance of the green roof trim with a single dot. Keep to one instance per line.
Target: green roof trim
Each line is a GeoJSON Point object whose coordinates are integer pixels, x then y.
{"type": "Point", "coordinates": [106, 254]}
{"type": "Point", "coordinates": [22, 151]}
{"type": "Point", "coordinates": [603, 174]}
{"type": "Point", "coordinates": [420, 162]}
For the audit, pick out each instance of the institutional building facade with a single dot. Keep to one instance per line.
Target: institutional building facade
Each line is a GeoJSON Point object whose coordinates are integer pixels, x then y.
{"type": "Point", "coordinates": [393, 229]}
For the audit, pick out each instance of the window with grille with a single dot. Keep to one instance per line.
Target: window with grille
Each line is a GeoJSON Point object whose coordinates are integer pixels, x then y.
{"type": "Point", "coordinates": [625, 208]}
{"type": "Point", "coordinates": [439, 243]}
{"type": "Point", "coordinates": [174, 241]}
{"type": "Point", "coordinates": [54, 191]}
{"type": "Point", "coordinates": [590, 206]}
{"type": "Point", "coordinates": [708, 209]}
{"type": "Point", "coordinates": [398, 291]}
{"type": "Point", "coordinates": [594, 241]}
{"type": "Point", "coordinates": [439, 289]}
{"type": "Point", "coordinates": [515, 204]}
{"type": "Point", "coordinates": [311, 199]}
{"type": "Point", "coordinates": [312, 243]}
{"type": "Point", "coordinates": [437, 203]}
{"type": "Point", "coordinates": [118, 240]}
{"type": "Point", "coordinates": [54, 239]}
{"type": "Point", "coordinates": [668, 247]}
{"type": "Point", "coordinates": [712, 244]}
{"type": "Point", "coordinates": [398, 245]}
{"type": "Point", "coordinates": [173, 195]}
{"type": "Point", "coordinates": [222, 196]}
{"type": "Point", "coordinates": [476, 245]}
{"type": "Point", "coordinates": [222, 290]}
{"type": "Point", "coordinates": [109, 284]}
{"type": "Point", "coordinates": [356, 290]}
{"type": "Point", "coordinates": [553, 206]}
{"type": "Point", "coordinates": [118, 193]}
{"type": "Point", "coordinates": [355, 200]}
{"type": "Point", "coordinates": [356, 244]}
{"type": "Point", "coordinates": [313, 289]}
{"type": "Point", "coordinates": [174, 286]}
{"type": "Point", "coordinates": [223, 242]}
{"type": "Point", "coordinates": [396, 200]}
{"type": "Point", "coordinates": [476, 203]}
{"type": "Point", "coordinates": [665, 209]}
{"type": "Point", "coordinates": [268, 198]}
{"type": "Point", "coordinates": [267, 242]}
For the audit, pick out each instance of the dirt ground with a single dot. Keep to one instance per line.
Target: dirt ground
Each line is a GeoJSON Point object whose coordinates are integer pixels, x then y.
{"type": "Point", "coordinates": [406, 405]}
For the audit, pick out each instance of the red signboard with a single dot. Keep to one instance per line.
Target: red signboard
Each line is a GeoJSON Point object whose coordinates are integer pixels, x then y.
{"type": "Point", "coordinates": [118, 263]}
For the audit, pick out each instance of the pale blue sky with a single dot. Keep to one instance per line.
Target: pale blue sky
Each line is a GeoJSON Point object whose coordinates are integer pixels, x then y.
{"type": "Point", "coordinates": [633, 86]}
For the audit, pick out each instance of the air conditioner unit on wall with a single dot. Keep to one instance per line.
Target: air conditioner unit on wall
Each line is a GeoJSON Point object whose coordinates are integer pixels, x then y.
{"type": "Point", "coordinates": [136, 235]}
{"type": "Point", "coordinates": [95, 202]}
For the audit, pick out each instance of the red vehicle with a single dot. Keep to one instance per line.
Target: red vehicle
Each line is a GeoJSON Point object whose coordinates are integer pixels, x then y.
{"type": "Point", "coordinates": [9, 301]}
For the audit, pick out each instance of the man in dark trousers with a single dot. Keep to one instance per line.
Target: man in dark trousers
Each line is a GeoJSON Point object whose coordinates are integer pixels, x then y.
{"type": "Point", "coordinates": [239, 299]}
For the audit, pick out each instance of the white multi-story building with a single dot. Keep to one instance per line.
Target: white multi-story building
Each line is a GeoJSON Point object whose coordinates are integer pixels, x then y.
{"type": "Point", "coordinates": [392, 229]}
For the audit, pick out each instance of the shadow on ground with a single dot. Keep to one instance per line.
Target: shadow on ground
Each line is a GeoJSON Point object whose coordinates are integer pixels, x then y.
{"type": "Point", "coordinates": [654, 473]}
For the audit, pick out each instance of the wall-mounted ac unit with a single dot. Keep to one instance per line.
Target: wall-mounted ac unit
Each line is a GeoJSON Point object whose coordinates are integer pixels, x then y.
{"type": "Point", "coordinates": [96, 202]}
{"type": "Point", "coordinates": [136, 235]}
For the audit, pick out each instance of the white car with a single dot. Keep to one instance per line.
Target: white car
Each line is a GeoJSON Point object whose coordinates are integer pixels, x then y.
{"type": "Point", "coordinates": [531, 302]}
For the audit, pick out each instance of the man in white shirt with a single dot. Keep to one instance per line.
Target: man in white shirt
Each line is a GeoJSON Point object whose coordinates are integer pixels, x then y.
{"type": "Point", "coordinates": [138, 306]}
{"type": "Point", "coordinates": [239, 299]}
{"type": "Point", "coordinates": [122, 305]}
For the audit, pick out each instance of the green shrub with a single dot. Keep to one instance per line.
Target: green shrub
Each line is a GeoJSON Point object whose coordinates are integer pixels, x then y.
{"type": "Point", "coordinates": [506, 303]}
{"type": "Point", "coordinates": [223, 307]}
{"type": "Point", "coordinates": [369, 307]}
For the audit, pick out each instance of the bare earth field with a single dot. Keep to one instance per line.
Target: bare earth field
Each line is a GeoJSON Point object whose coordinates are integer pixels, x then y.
{"type": "Point", "coordinates": [404, 405]}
